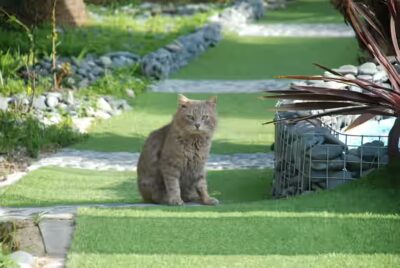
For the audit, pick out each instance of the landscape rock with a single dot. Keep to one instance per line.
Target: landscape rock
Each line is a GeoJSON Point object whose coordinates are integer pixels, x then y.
{"type": "Point", "coordinates": [103, 105]}
{"type": "Point", "coordinates": [23, 259]}
{"type": "Point", "coordinates": [347, 69]}
{"type": "Point", "coordinates": [130, 93]}
{"type": "Point", "coordinates": [370, 151]}
{"type": "Point", "coordinates": [51, 101]}
{"type": "Point", "coordinates": [368, 68]}
{"type": "Point", "coordinates": [325, 151]}
{"type": "Point", "coordinates": [3, 103]}
{"type": "Point", "coordinates": [380, 76]}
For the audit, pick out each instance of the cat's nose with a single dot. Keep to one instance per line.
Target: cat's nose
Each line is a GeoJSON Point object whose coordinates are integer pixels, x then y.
{"type": "Point", "coordinates": [197, 125]}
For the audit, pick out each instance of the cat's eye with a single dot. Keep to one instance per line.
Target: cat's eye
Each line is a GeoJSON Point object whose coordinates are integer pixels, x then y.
{"type": "Point", "coordinates": [205, 117]}
{"type": "Point", "coordinates": [190, 117]}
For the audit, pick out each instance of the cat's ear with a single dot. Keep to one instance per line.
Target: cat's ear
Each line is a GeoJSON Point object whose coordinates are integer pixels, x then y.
{"type": "Point", "coordinates": [182, 101]}
{"type": "Point", "coordinates": [212, 100]}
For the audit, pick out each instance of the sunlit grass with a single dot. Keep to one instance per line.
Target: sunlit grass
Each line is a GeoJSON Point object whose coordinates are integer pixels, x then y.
{"type": "Point", "coordinates": [305, 11]}
{"type": "Point", "coordinates": [245, 58]}
{"type": "Point", "coordinates": [240, 128]}
{"type": "Point", "coordinates": [68, 186]}
{"type": "Point", "coordinates": [356, 225]}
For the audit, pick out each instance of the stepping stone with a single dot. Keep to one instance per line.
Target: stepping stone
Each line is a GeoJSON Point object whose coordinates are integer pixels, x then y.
{"type": "Point", "coordinates": [57, 235]}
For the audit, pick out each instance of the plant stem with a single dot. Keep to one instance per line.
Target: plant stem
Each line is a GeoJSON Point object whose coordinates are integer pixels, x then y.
{"type": "Point", "coordinates": [393, 143]}
{"type": "Point", "coordinates": [53, 43]}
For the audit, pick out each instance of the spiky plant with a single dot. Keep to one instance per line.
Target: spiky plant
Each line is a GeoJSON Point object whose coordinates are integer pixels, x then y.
{"type": "Point", "coordinates": [375, 99]}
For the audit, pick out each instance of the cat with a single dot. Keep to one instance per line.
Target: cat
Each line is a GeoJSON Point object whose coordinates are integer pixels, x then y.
{"type": "Point", "coordinates": [171, 167]}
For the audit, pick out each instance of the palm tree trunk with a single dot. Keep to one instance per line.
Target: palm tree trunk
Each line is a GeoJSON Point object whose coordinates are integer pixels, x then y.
{"type": "Point", "coordinates": [393, 143]}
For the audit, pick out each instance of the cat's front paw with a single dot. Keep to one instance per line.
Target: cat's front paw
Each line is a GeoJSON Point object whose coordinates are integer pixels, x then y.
{"type": "Point", "coordinates": [211, 201]}
{"type": "Point", "coordinates": [175, 201]}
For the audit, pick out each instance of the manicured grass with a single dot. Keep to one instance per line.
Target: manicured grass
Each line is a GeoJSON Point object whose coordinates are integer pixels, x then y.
{"type": "Point", "coordinates": [356, 225]}
{"type": "Point", "coordinates": [240, 127]}
{"type": "Point", "coordinates": [58, 186]}
{"type": "Point", "coordinates": [62, 186]}
{"type": "Point", "coordinates": [244, 58]}
{"type": "Point", "coordinates": [305, 11]}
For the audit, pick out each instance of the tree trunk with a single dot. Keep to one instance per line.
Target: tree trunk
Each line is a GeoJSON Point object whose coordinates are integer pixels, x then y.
{"type": "Point", "coordinates": [393, 143]}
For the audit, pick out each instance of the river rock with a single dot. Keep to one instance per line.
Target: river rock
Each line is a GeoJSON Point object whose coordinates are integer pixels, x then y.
{"type": "Point", "coordinates": [23, 259]}
{"type": "Point", "coordinates": [370, 151]}
{"type": "Point", "coordinates": [51, 101]}
{"type": "Point", "coordinates": [347, 69]}
{"type": "Point", "coordinates": [3, 103]}
{"type": "Point", "coordinates": [39, 102]}
{"type": "Point", "coordinates": [103, 105]}
{"type": "Point", "coordinates": [331, 165]}
{"type": "Point", "coordinates": [380, 76]}
{"type": "Point", "coordinates": [325, 151]}
{"type": "Point", "coordinates": [105, 61]}
{"type": "Point", "coordinates": [368, 68]}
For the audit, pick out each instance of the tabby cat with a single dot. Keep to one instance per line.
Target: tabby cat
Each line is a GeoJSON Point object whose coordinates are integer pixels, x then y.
{"type": "Point", "coordinates": [171, 167]}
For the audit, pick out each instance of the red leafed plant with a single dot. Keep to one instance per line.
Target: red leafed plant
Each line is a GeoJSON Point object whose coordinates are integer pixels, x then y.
{"type": "Point", "coordinates": [375, 99]}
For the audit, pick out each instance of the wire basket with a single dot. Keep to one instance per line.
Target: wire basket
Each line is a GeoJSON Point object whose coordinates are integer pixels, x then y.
{"type": "Point", "coordinates": [311, 155]}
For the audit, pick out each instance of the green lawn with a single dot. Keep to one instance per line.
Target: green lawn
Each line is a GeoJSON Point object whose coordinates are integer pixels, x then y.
{"type": "Point", "coordinates": [62, 186]}
{"type": "Point", "coordinates": [240, 127]}
{"type": "Point", "coordinates": [356, 225]}
{"type": "Point", "coordinates": [305, 11]}
{"type": "Point", "coordinates": [241, 58]}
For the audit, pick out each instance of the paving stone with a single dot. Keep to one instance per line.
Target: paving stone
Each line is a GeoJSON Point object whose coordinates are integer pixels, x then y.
{"type": "Point", "coordinates": [56, 235]}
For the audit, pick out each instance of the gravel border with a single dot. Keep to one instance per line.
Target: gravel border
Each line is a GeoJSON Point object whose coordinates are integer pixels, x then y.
{"type": "Point", "coordinates": [219, 86]}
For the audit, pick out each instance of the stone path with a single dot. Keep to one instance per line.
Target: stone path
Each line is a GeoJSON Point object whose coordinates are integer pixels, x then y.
{"type": "Point", "coordinates": [123, 161]}
{"type": "Point", "coordinates": [219, 86]}
{"type": "Point", "coordinates": [295, 30]}
{"type": "Point", "coordinates": [63, 212]}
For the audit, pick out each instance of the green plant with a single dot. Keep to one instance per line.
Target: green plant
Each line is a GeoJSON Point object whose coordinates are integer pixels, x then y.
{"type": "Point", "coordinates": [10, 133]}
{"type": "Point", "coordinates": [377, 100]}
{"type": "Point", "coordinates": [5, 261]}
{"type": "Point", "coordinates": [21, 130]}
{"type": "Point", "coordinates": [11, 62]}
{"type": "Point", "coordinates": [8, 239]}
{"type": "Point", "coordinates": [117, 82]}
{"type": "Point", "coordinates": [30, 60]}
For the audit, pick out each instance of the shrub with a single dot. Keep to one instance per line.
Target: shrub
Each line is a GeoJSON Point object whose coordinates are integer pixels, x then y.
{"type": "Point", "coordinates": [25, 131]}
{"type": "Point", "coordinates": [117, 82]}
